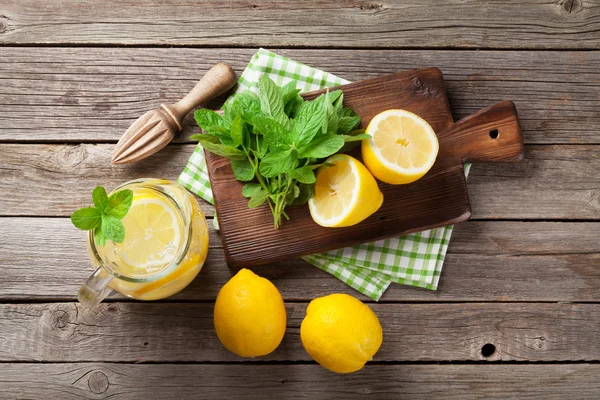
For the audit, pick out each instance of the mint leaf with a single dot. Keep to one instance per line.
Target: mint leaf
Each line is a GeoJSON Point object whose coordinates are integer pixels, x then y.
{"type": "Point", "coordinates": [271, 101]}
{"type": "Point", "coordinates": [293, 193]}
{"type": "Point", "coordinates": [289, 92]}
{"type": "Point", "coordinates": [99, 237]}
{"type": "Point", "coordinates": [205, 118]}
{"type": "Point", "coordinates": [101, 217]}
{"type": "Point", "coordinates": [86, 218]}
{"type": "Point", "coordinates": [332, 118]}
{"type": "Point", "coordinates": [304, 175]}
{"type": "Point", "coordinates": [113, 228]}
{"type": "Point", "coordinates": [257, 199]}
{"type": "Point", "coordinates": [119, 203]}
{"type": "Point", "coordinates": [356, 138]}
{"type": "Point", "coordinates": [292, 107]}
{"type": "Point", "coordinates": [249, 104]}
{"type": "Point", "coordinates": [339, 103]}
{"type": "Point", "coordinates": [222, 150]}
{"type": "Point", "coordinates": [274, 164]}
{"type": "Point", "coordinates": [216, 130]}
{"type": "Point", "coordinates": [323, 147]}
{"type": "Point", "coordinates": [242, 170]}
{"type": "Point", "coordinates": [347, 124]}
{"type": "Point", "coordinates": [250, 189]}
{"type": "Point", "coordinates": [308, 123]}
{"type": "Point", "coordinates": [333, 96]}
{"type": "Point", "coordinates": [274, 133]}
{"type": "Point", "coordinates": [100, 198]}
{"type": "Point", "coordinates": [306, 192]}
{"type": "Point", "coordinates": [205, 138]}
{"type": "Point", "coordinates": [237, 130]}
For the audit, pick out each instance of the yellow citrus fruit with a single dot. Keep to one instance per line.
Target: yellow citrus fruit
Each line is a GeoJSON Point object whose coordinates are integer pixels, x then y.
{"type": "Point", "coordinates": [402, 148]}
{"type": "Point", "coordinates": [340, 333]}
{"type": "Point", "coordinates": [153, 231]}
{"type": "Point", "coordinates": [250, 317]}
{"type": "Point", "coordinates": [345, 193]}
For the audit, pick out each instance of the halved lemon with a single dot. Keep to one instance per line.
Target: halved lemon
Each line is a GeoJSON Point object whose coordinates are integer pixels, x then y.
{"type": "Point", "coordinates": [402, 148]}
{"type": "Point", "coordinates": [153, 231]}
{"type": "Point", "coordinates": [345, 193]}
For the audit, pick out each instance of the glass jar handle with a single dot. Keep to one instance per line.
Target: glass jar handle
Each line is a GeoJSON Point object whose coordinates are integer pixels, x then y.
{"type": "Point", "coordinates": [95, 288]}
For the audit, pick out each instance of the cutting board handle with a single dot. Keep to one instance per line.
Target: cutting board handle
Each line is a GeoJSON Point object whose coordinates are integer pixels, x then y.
{"type": "Point", "coordinates": [492, 134]}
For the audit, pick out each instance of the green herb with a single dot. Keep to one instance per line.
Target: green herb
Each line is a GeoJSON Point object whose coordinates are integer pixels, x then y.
{"type": "Point", "coordinates": [275, 140]}
{"type": "Point", "coordinates": [106, 215]}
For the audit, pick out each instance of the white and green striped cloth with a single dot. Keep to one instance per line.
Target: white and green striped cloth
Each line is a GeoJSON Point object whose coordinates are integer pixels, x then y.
{"type": "Point", "coordinates": [414, 259]}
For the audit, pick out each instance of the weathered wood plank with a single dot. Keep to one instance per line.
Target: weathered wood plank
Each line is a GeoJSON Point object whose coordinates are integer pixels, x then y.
{"type": "Point", "coordinates": [184, 332]}
{"type": "Point", "coordinates": [63, 176]}
{"type": "Point", "coordinates": [348, 23]}
{"type": "Point", "coordinates": [93, 94]}
{"type": "Point", "coordinates": [45, 259]}
{"type": "Point", "coordinates": [227, 381]}
{"type": "Point", "coordinates": [552, 182]}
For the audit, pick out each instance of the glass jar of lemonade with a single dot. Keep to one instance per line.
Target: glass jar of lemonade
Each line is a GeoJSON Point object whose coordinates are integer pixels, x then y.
{"type": "Point", "coordinates": [165, 245]}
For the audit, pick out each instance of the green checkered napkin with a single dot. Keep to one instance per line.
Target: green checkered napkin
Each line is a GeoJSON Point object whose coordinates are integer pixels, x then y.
{"type": "Point", "coordinates": [369, 268]}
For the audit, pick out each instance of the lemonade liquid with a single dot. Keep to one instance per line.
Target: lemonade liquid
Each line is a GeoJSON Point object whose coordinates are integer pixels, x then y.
{"type": "Point", "coordinates": [161, 253]}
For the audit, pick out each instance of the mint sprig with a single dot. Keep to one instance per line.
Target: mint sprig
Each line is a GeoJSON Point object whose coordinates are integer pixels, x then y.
{"type": "Point", "coordinates": [275, 140]}
{"type": "Point", "coordinates": [106, 215]}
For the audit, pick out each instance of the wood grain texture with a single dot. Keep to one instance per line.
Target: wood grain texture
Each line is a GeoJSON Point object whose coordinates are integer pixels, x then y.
{"type": "Point", "coordinates": [227, 381]}
{"type": "Point", "coordinates": [438, 199]}
{"type": "Point", "coordinates": [347, 23]}
{"type": "Point", "coordinates": [184, 332]}
{"type": "Point", "coordinates": [64, 176]}
{"type": "Point", "coordinates": [45, 259]}
{"type": "Point", "coordinates": [552, 182]}
{"type": "Point", "coordinates": [94, 94]}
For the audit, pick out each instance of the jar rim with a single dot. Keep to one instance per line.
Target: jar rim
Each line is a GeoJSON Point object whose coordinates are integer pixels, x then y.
{"type": "Point", "coordinates": [182, 212]}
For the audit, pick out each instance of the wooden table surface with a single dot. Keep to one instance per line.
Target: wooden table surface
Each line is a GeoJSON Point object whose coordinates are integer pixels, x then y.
{"type": "Point", "coordinates": [517, 313]}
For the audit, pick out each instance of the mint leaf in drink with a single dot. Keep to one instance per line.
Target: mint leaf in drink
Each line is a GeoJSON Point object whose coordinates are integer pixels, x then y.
{"type": "Point", "coordinates": [101, 218]}
{"type": "Point", "coordinates": [113, 228]}
{"type": "Point", "coordinates": [119, 203]}
{"type": "Point", "coordinates": [99, 237]}
{"type": "Point", "coordinates": [242, 170]}
{"type": "Point", "coordinates": [100, 198]}
{"type": "Point", "coordinates": [86, 218]}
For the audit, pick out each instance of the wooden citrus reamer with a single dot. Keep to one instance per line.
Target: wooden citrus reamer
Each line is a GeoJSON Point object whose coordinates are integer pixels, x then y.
{"type": "Point", "coordinates": [155, 129]}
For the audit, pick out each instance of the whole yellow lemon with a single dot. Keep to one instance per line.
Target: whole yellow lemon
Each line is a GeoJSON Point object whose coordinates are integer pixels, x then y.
{"type": "Point", "coordinates": [250, 317]}
{"type": "Point", "coordinates": [340, 332]}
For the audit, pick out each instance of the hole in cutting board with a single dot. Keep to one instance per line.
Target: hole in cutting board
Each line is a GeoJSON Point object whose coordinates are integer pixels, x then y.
{"type": "Point", "coordinates": [494, 133]}
{"type": "Point", "coordinates": [488, 350]}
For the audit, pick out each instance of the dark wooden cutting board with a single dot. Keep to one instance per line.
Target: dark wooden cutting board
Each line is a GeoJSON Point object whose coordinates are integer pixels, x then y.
{"type": "Point", "coordinates": [439, 198]}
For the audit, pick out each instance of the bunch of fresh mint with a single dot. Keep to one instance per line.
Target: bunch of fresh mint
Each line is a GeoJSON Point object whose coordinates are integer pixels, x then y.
{"type": "Point", "coordinates": [106, 215]}
{"type": "Point", "coordinates": [276, 140]}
